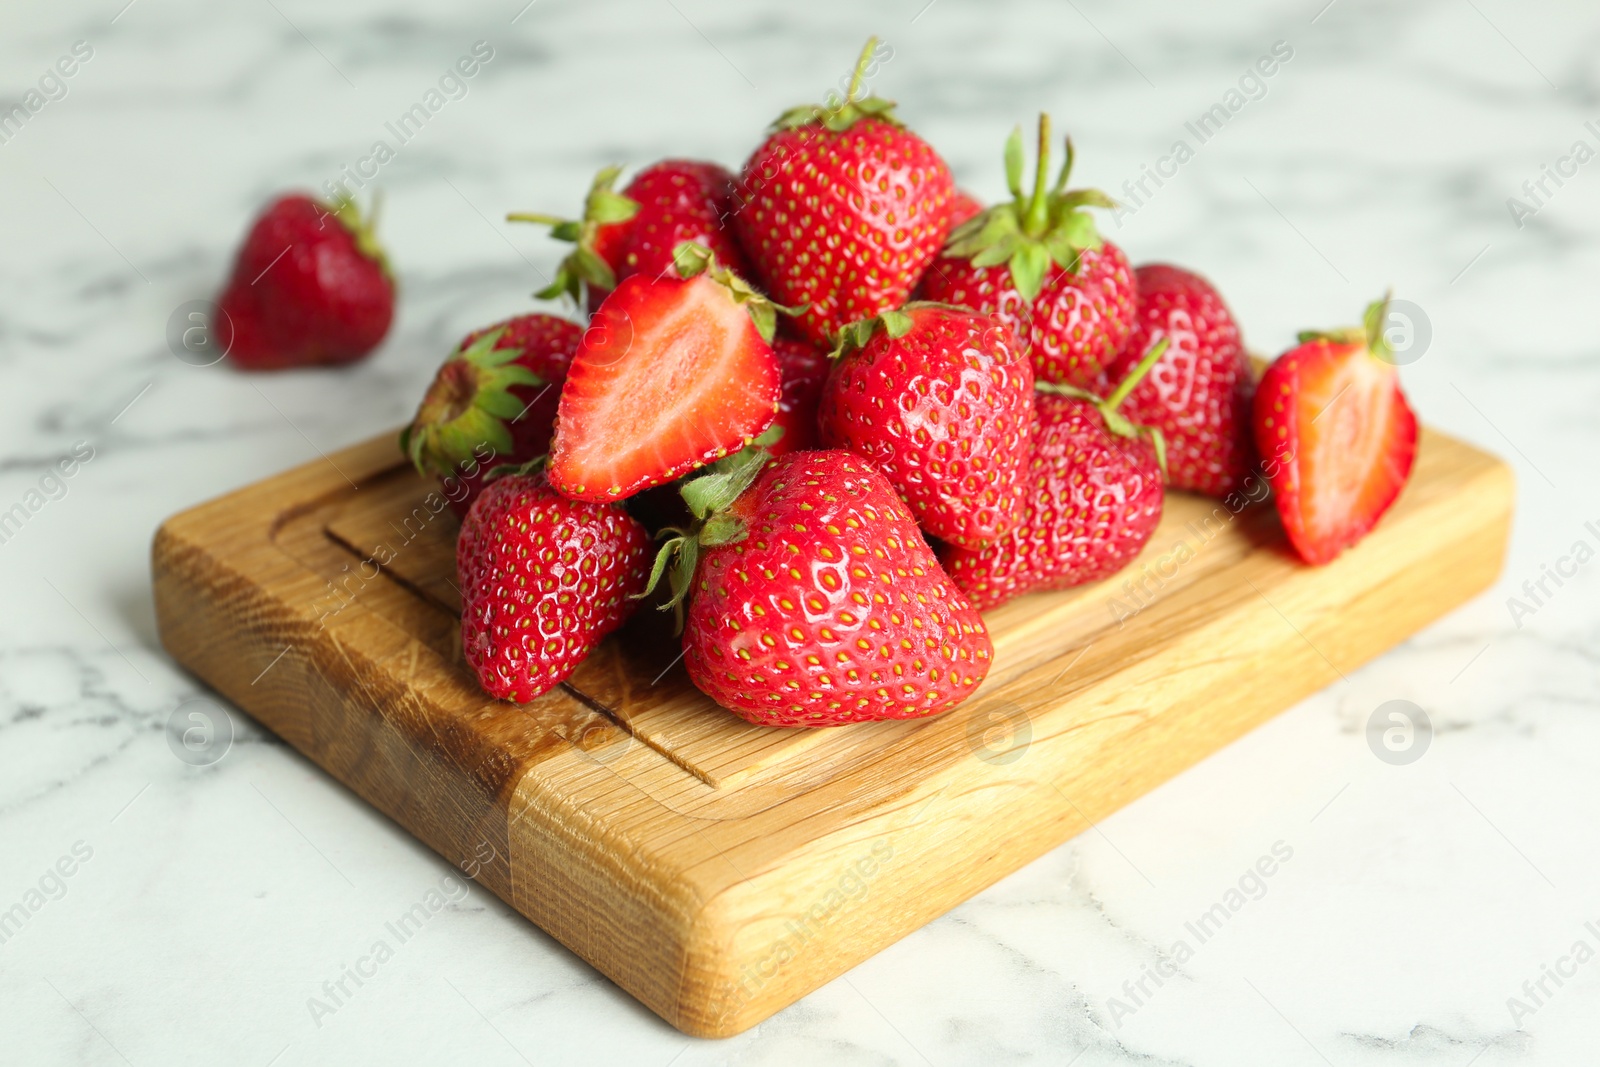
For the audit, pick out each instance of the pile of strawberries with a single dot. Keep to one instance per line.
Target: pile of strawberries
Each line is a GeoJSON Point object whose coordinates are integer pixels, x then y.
{"type": "Point", "coordinates": [858, 408]}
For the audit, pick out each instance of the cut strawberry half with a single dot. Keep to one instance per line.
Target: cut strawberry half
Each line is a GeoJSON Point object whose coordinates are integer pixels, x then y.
{"type": "Point", "coordinates": [672, 374]}
{"type": "Point", "coordinates": [1336, 436]}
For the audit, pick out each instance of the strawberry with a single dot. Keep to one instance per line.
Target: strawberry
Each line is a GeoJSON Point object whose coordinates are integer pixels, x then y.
{"type": "Point", "coordinates": [1039, 265]}
{"type": "Point", "coordinates": [636, 231]}
{"type": "Point", "coordinates": [963, 206]}
{"type": "Point", "coordinates": [815, 600]}
{"type": "Point", "coordinates": [310, 286]}
{"type": "Point", "coordinates": [543, 579]}
{"type": "Point", "coordinates": [939, 399]}
{"type": "Point", "coordinates": [805, 368]}
{"type": "Point", "coordinates": [1199, 394]}
{"type": "Point", "coordinates": [841, 209]}
{"type": "Point", "coordinates": [493, 402]}
{"type": "Point", "coordinates": [1092, 497]}
{"type": "Point", "coordinates": [1336, 435]}
{"type": "Point", "coordinates": [674, 372]}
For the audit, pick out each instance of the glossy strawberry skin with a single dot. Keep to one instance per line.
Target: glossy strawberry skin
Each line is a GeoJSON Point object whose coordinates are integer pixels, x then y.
{"type": "Point", "coordinates": [547, 344]}
{"type": "Point", "coordinates": [963, 206]}
{"type": "Point", "coordinates": [805, 370]}
{"type": "Point", "coordinates": [832, 609]}
{"type": "Point", "coordinates": [543, 579]}
{"type": "Point", "coordinates": [670, 375]}
{"type": "Point", "coordinates": [302, 292]}
{"type": "Point", "coordinates": [844, 223]}
{"type": "Point", "coordinates": [1072, 329]}
{"type": "Point", "coordinates": [1337, 441]}
{"type": "Point", "coordinates": [945, 412]}
{"type": "Point", "coordinates": [1090, 502]}
{"type": "Point", "coordinates": [1199, 392]}
{"type": "Point", "coordinates": [679, 200]}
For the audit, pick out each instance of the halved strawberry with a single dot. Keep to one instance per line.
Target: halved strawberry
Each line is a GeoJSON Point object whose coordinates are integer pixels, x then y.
{"type": "Point", "coordinates": [672, 374]}
{"type": "Point", "coordinates": [1336, 435]}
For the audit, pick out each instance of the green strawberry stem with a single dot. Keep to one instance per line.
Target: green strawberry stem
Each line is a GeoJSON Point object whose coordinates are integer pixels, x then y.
{"type": "Point", "coordinates": [1036, 229]}
{"type": "Point", "coordinates": [837, 116]}
{"type": "Point", "coordinates": [1037, 215]}
{"type": "Point", "coordinates": [861, 69]}
{"type": "Point", "coordinates": [1137, 374]}
{"type": "Point", "coordinates": [1116, 422]}
{"type": "Point", "coordinates": [531, 216]}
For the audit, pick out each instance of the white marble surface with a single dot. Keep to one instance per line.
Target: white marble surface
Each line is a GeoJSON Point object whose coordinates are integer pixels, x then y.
{"type": "Point", "coordinates": [217, 900]}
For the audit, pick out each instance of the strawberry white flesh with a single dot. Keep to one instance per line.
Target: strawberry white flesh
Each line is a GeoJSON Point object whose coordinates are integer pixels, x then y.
{"type": "Point", "coordinates": [671, 375]}
{"type": "Point", "coordinates": [1338, 439]}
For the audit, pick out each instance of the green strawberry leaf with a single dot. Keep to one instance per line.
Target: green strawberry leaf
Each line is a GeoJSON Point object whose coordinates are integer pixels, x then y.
{"type": "Point", "coordinates": [999, 252]}
{"type": "Point", "coordinates": [765, 316]}
{"type": "Point", "coordinates": [500, 405]}
{"type": "Point", "coordinates": [691, 259]}
{"type": "Point", "coordinates": [1028, 264]}
{"type": "Point", "coordinates": [564, 283]}
{"type": "Point", "coordinates": [588, 265]}
{"type": "Point", "coordinates": [895, 323]}
{"type": "Point", "coordinates": [1374, 320]}
{"type": "Point", "coordinates": [722, 529]}
{"type": "Point", "coordinates": [1014, 163]}
{"type": "Point", "coordinates": [606, 207]}
{"type": "Point", "coordinates": [1087, 198]}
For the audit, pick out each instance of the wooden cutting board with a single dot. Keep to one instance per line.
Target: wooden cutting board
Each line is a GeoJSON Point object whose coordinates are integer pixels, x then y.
{"type": "Point", "coordinates": [719, 871]}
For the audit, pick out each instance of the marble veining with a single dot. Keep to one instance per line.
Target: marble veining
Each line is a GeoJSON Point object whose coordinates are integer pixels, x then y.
{"type": "Point", "coordinates": [1422, 904]}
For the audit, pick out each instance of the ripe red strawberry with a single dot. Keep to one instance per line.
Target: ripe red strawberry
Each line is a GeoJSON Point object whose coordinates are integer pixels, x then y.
{"type": "Point", "coordinates": [841, 209]}
{"type": "Point", "coordinates": [815, 600]}
{"type": "Point", "coordinates": [636, 231]}
{"type": "Point", "coordinates": [1092, 497]}
{"type": "Point", "coordinates": [805, 368]}
{"type": "Point", "coordinates": [1039, 265]}
{"type": "Point", "coordinates": [963, 206]}
{"type": "Point", "coordinates": [493, 402]}
{"type": "Point", "coordinates": [543, 579]}
{"type": "Point", "coordinates": [940, 400]}
{"type": "Point", "coordinates": [310, 286]}
{"type": "Point", "coordinates": [672, 374]}
{"type": "Point", "coordinates": [1198, 395]}
{"type": "Point", "coordinates": [1336, 435]}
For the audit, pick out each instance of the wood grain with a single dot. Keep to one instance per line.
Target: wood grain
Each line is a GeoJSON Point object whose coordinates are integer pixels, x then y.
{"type": "Point", "coordinates": [719, 871]}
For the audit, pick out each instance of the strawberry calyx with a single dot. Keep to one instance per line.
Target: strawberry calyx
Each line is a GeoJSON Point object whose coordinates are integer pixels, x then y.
{"type": "Point", "coordinates": [1116, 422]}
{"type": "Point", "coordinates": [506, 470]}
{"type": "Point", "coordinates": [896, 323]}
{"type": "Point", "coordinates": [584, 265]}
{"type": "Point", "coordinates": [708, 497]}
{"type": "Point", "coordinates": [1038, 228]}
{"type": "Point", "coordinates": [363, 228]}
{"type": "Point", "coordinates": [855, 335]}
{"type": "Point", "coordinates": [693, 259]}
{"type": "Point", "coordinates": [837, 115]}
{"type": "Point", "coordinates": [1370, 333]}
{"type": "Point", "coordinates": [469, 404]}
